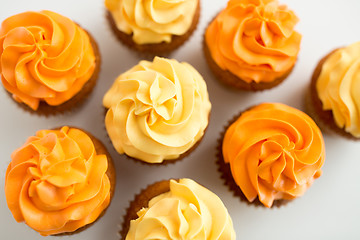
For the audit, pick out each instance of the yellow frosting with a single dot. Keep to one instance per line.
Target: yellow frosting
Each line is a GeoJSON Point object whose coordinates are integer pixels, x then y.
{"type": "Point", "coordinates": [56, 182]}
{"type": "Point", "coordinates": [338, 87]}
{"type": "Point", "coordinates": [157, 110]}
{"type": "Point", "coordinates": [274, 151]}
{"type": "Point", "coordinates": [152, 21]}
{"type": "Point", "coordinates": [44, 57]}
{"type": "Point", "coordinates": [254, 39]}
{"type": "Point", "coordinates": [188, 212]}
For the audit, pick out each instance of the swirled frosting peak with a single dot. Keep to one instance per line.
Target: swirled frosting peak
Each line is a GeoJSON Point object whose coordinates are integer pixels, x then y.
{"type": "Point", "coordinates": [338, 87]}
{"type": "Point", "coordinates": [152, 21]}
{"type": "Point", "coordinates": [157, 110]}
{"type": "Point", "coordinates": [44, 57]}
{"type": "Point", "coordinates": [188, 211]}
{"type": "Point", "coordinates": [274, 151]}
{"type": "Point", "coordinates": [254, 39]}
{"type": "Point", "coordinates": [56, 182]}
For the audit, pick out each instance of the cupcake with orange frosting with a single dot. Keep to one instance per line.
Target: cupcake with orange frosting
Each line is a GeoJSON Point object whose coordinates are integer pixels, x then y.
{"type": "Point", "coordinates": [270, 154]}
{"type": "Point", "coordinates": [335, 92]}
{"type": "Point", "coordinates": [157, 112]}
{"type": "Point", "coordinates": [153, 26]}
{"type": "Point", "coordinates": [59, 181]}
{"type": "Point", "coordinates": [48, 63]}
{"type": "Point", "coordinates": [251, 44]}
{"type": "Point", "coordinates": [177, 209]}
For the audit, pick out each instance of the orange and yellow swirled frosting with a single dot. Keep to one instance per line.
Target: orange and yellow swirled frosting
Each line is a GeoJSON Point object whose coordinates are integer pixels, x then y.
{"type": "Point", "coordinates": [44, 57]}
{"type": "Point", "coordinates": [338, 87]}
{"type": "Point", "coordinates": [274, 151]}
{"type": "Point", "coordinates": [56, 182]}
{"type": "Point", "coordinates": [254, 39]}
{"type": "Point", "coordinates": [152, 21]}
{"type": "Point", "coordinates": [188, 211]}
{"type": "Point", "coordinates": [157, 110]}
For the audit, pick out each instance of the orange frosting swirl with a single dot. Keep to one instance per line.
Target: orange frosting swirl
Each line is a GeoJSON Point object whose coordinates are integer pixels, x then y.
{"type": "Point", "coordinates": [274, 151]}
{"type": "Point", "coordinates": [44, 57]}
{"type": "Point", "coordinates": [254, 39]}
{"type": "Point", "coordinates": [56, 182]}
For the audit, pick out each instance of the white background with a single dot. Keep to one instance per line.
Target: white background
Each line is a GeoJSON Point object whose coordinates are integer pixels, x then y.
{"type": "Point", "coordinates": [330, 209]}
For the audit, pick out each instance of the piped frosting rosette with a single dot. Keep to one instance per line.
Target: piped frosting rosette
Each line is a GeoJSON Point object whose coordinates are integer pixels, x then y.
{"type": "Point", "coordinates": [44, 57]}
{"type": "Point", "coordinates": [274, 151]}
{"type": "Point", "coordinates": [56, 182]}
{"type": "Point", "coordinates": [254, 39]}
{"type": "Point", "coordinates": [152, 21]}
{"type": "Point", "coordinates": [338, 87]}
{"type": "Point", "coordinates": [157, 110]}
{"type": "Point", "coordinates": [188, 211]}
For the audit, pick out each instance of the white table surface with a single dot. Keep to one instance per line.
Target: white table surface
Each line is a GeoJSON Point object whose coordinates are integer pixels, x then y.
{"type": "Point", "coordinates": [330, 209]}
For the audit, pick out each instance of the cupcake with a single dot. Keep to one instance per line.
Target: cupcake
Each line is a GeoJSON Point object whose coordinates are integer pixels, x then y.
{"type": "Point", "coordinates": [48, 63]}
{"type": "Point", "coordinates": [335, 92]}
{"type": "Point", "coordinates": [59, 181]}
{"type": "Point", "coordinates": [251, 44]}
{"type": "Point", "coordinates": [158, 26]}
{"type": "Point", "coordinates": [271, 153]}
{"type": "Point", "coordinates": [157, 112]}
{"type": "Point", "coordinates": [177, 209]}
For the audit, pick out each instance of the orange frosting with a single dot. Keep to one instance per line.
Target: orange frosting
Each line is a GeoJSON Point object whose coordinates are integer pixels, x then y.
{"type": "Point", "coordinates": [44, 57]}
{"type": "Point", "coordinates": [56, 182]}
{"type": "Point", "coordinates": [254, 39]}
{"type": "Point", "coordinates": [274, 151]}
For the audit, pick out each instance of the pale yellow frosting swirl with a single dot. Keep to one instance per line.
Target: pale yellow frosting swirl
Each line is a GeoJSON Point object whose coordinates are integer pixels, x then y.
{"type": "Point", "coordinates": [152, 21]}
{"type": "Point", "coordinates": [187, 212]}
{"type": "Point", "coordinates": [338, 87]}
{"type": "Point", "coordinates": [157, 110]}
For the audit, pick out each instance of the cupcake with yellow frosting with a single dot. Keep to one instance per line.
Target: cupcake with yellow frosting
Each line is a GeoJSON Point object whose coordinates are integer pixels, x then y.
{"type": "Point", "coordinates": [251, 44]}
{"type": "Point", "coordinates": [59, 181]}
{"type": "Point", "coordinates": [157, 112]}
{"type": "Point", "coordinates": [153, 26]}
{"type": "Point", "coordinates": [48, 63]}
{"type": "Point", "coordinates": [335, 92]}
{"type": "Point", "coordinates": [270, 154]}
{"type": "Point", "coordinates": [177, 209]}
